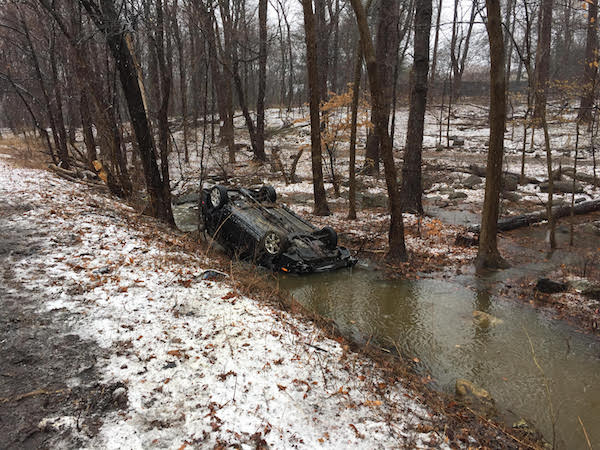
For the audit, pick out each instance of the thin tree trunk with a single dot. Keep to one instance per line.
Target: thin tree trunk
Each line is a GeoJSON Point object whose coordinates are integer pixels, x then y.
{"type": "Point", "coordinates": [223, 80]}
{"type": "Point", "coordinates": [550, 216]}
{"type": "Point", "coordinates": [262, 81]}
{"type": "Point", "coordinates": [165, 77]}
{"type": "Point", "coordinates": [459, 48]}
{"type": "Point", "coordinates": [63, 153]}
{"type": "Point", "coordinates": [542, 59]}
{"type": "Point", "coordinates": [321, 207]}
{"type": "Point", "coordinates": [336, 48]}
{"type": "Point", "coordinates": [182, 80]}
{"type": "Point", "coordinates": [412, 188]}
{"type": "Point", "coordinates": [86, 126]}
{"type": "Point", "coordinates": [508, 25]}
{"type": "Point", "coordinates": [397, 247]}
{"type": "Point", "coordinates": [322, 38]}
{"type": "Point", "coordinates": [488, 255]}
{"type": "Point", "coordinates": [435, 46]}
{"type": "Point", "coordinates": [45, 94]}
{"type": "Point", "coordinates": [353, 124]}
{"type": "Point", "coordinates": [590, 67]}
{"type": "Point", "coordinates": [386, 46]}
{"type": "Point", "coordinates": [43, 132]}
{"type": "Point", "coordinates": [572, 224]}
{"type": "Point", "coordinates": [247, 117]}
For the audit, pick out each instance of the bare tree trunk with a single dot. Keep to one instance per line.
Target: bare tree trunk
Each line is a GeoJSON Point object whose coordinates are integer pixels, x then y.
{"type": "Point", "coordinates": [590, 66]}
{"type": "Point", "coordinates": [322, 38]}
{"type": "Point", "coordinates": [165, 80]}
{"type": "Point", "coordinates": [509, 26]}
{"type": "Point", "coordinates": [86, 126]}
{"type": "Point", "coordinates": [182, 80]}
{"type": "Point", "coordinates": [227, 132]}
{"type": "Point", "coordinates": [459, 48]}
{"type": "Point", "coordinates": [239, 87]}
{"type": "Point", "coordinates": [488, 255]}
{"type": "Point", "coordinates": [353, 123]}
{"type": "Point", "coordinates": [397, 247]}
{"type": "Point", "coordinates": [321, 207]}
{"type": "Point", "coordinates": [435, 45]}
{"type": "Point", "coordinates": [262, 81]}
{"type": "Point", "coordinates": [386, 45]}
{"type": "Point", "coordinates": [336, 48]}
{"type": "Point", "coordinates": [572, 221]}
{"type": "Point", "coordinates": [42, 130]}
{"type": "Point", "coordinates": [70, 103]}
{"type": "Point", "coordinates": [542, 58]}
{"type": "Point", "coordinates": [412, 188]}
{"type": "Point", "coordinates": [63, 153]}
{"type": "Point", "coordinates": [290, 57]}
{"type": "Point", "coordinates": [45, 94]}
{"type": "Point", "coordinates": [550, 216]}
{"type": "Point", "coordinates": [107, 21]}
{"type": "Point", "coordinates": [565, 55]}
{"type": "Point", "coordinates": [282, 62]}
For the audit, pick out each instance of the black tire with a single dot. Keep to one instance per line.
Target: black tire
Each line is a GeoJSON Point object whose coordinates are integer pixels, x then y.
{"type": "Point", "coordinates": [267, 194]}
{"type": "Point", "coordinates": [330, 237]}
{"type": "Point", "coordinates": [273, 243]}
{"type": "Point", "coordinates": [218, 197]}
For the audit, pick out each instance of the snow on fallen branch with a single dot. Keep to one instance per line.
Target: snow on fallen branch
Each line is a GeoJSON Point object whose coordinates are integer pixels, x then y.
{"type": "Point", "coordinates": [523, 220]}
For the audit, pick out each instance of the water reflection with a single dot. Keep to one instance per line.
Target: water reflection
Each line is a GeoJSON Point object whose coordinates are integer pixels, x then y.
{"type": "Point", "coordinates": [434, 321]}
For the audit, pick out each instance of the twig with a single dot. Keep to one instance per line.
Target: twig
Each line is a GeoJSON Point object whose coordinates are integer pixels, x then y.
{"type": "Point", "coordinates": [587, 439]}
{"type": "Point", "coordinates": [35, 393]}
{"type": "Point", "coordinates": [489, 422]}
{"type": "Point", "coordinates": [315, 347]}
{"type": "Point", "coordinates": [546, 386]}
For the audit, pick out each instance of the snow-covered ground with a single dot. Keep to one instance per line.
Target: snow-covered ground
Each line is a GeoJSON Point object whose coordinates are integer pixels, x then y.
{"type": "Point", "coordinates": [202, 365]}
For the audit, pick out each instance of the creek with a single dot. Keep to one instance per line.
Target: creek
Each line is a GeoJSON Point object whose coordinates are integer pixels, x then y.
{"type": "Point", "coordinates": [433, 321]}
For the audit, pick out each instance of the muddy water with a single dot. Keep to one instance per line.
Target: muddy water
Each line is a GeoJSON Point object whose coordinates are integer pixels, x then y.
{"type": "Point", "coordinates": [186, 216]}
{"type": "Point", "coordinates": [433, 321]}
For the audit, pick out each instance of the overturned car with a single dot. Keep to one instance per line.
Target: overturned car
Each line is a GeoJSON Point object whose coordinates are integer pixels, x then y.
{"type": "Point", "coordinates": [251, 225]}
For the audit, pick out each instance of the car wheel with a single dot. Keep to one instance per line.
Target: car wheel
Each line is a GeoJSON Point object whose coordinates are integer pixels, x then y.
{"type": "Point", "coordinates": [267, 194]}
{"type": "Point", "coordinates": [218, 196]}
{"type": "Point", "coordinates": [330, 236]}
{"type": "Point", "coordinates": [273, 243]}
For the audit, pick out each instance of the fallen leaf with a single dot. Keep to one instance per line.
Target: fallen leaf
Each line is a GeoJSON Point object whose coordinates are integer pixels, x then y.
{"type": "Point", "coordinates": [358, 435]}
{"type": "Point", "coordinates": [373, 403]}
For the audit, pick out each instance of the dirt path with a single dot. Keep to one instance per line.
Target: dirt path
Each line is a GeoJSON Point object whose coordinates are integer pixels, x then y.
{"type": "Point", "coordinates": [46, 371]}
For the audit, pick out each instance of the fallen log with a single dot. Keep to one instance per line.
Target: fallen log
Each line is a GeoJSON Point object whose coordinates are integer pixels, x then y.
{"type": "Point", "coordinates": [524, 220]}
{"type": "Point", "coordinates": [76, 177]}
{"type": "Point", "coordinates": [480, 171]}
{"type": "Point", "coordinates": [580, 176]}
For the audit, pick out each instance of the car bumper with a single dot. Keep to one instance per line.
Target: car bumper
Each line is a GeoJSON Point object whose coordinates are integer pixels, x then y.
{"type": "Point", "coordinates": [292, 264]}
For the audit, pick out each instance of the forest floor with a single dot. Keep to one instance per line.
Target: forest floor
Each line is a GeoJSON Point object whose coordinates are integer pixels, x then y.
{"type": "Point", "coordinates": [113, 338]}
